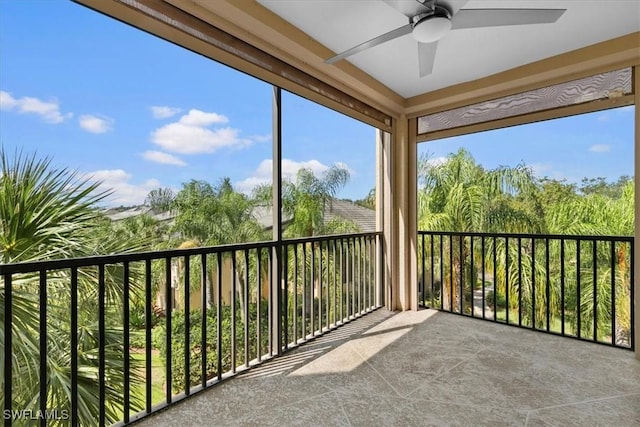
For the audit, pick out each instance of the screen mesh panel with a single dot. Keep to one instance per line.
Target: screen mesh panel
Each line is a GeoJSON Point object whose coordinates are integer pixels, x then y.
{"type": "Point", "coordinates": [602, 86]}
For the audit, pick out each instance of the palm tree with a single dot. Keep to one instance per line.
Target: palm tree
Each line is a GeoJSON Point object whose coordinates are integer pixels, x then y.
{"type": "Point", "coordinates": [460, 195]}
{"type": "Point", "coordinates": [304, 199]}
{"type": "Point", "coordinates": [48, 213]}
{"type": "Point", "coordinates": [598, 215]}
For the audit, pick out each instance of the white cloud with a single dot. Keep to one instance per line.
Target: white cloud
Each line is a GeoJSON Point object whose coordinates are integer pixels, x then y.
{"type": "Point", "coordinates": [202, 118]}
{"type": "Point", "coordinates": [48, 111]}
{"type": "Point", "coordinates": [290, 168]}
{"type": "Point", "coordinates": [192, 134]}
{"type": "Point", "coordinates": [123, 191]}
{"type": "Point", "coordinates": [95, 124]}
{"type": "Point", "coordinates": [600, 148]}
{"type": "Point", "coordinates": [164, 112]}
{"type": "Point", "coordinates": [164, 158]}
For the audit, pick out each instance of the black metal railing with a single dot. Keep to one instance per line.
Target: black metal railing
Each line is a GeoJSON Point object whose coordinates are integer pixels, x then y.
{"type": "Point", "coordinates": [574, 286]}
{"type": "Point", "coordinates": [137, 332]}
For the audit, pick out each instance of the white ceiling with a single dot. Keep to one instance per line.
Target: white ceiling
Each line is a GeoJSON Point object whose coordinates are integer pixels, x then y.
{"type": "Point", "coordinates": [462, 55]}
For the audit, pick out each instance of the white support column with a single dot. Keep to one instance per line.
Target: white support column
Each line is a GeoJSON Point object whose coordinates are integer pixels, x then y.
{"type": "Point", "coordinates": [403, 210]}
{"type": "Point", "coordinates": [385, 215]}
{"type": "Point", "coordinates": [636, 258]}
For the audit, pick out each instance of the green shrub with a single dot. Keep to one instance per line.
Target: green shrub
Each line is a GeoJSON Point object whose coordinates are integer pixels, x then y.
{"type": "Point", "coordinates": [501, 300]}
{"type": "Point", "coordinates": [195, 342]}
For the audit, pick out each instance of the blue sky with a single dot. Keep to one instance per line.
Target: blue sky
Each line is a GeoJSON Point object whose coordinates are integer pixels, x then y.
{"type": "Point", "coordinates": [137, 113]}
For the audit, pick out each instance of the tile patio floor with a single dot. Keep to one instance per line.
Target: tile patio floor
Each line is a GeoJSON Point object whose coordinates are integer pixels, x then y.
{"type": "Point", "coordinates": [425, 368]}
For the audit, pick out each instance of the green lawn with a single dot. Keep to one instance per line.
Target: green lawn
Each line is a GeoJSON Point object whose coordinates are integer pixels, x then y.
{"type": "Point", "coordinates": [157, 376]}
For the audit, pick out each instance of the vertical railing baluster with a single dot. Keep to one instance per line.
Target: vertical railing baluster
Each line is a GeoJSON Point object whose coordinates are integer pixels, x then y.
{"type": "Point", "coordinates": [578, 293]}
{"type": "Point", "coordinates": [632, 299]}
{"type": "Point", "coordinates": [285, 294]}
{"type": "Point", "coordinates": [595, 289]}
{"type": "Point", "coordinates": [562, 288]}
{"type": "Point", "coordinates": [219, 315]}
{"type": "Point", "coordinates": [506, 279]}
{"type": "Point", "coordinates": [342, 276]}
{"type": "Point", "coordinates": [348, 294]}
{"type": "Point", "coordinates": [533, 283]}
{"type": "Point", "coordinates": [354, 300]}
{"type": "Point", "coordinates": [313, 289]}
{"type": "Point", "coordinates": [334, 244]}
{"type": "Point", "coordinates": [43, 348]}
{"type": "Point", "coordinates": [613, 292]}
{"type": "Point", "coordinates": [358, 252]}
{"type": "Point", "coordinates": [259, 306]}
{"type": "Point", "coordinates": [519, 281]}
{"type": "Point", "coordinates": [441, 273]}
{"type": "Point", "coordinates": [125, 330]}
{"type": "Point", "coordinates": [74, 347]}
{"type": "Point", "coordinates": [101, 345]}
{"type": "Point", "coordinates": [461, 282]}
{"type": "Point", "coordinates": [432, 268]}
{"type": "Point", "coordinates": [327, 300]}
{"type": "Point", "coordinates": [304, 291]}
{"type": "Point", "coordinates": [495, 279]}
{"type": "Point", "coordinates": [169, 305]}
{"type": "Point", "coordinates": [234, 284]}
{"type": "Point", "coordinates": [548, 284]}
{"type": "Point", "coordinates": [320, 288]}
{"type": "Point", "coordinates": [245, 297]}
{"type": "Point", "coordinates": [472, 276]}
{"type": "Point", "coordinates": [295, 293]}
{"type": "Point", "coordinates": [423, 277]}
{"type": "Point", "coordinates": [148, 312]}
{"type": "Point", "coordinates": [482, 244]}
{"type": "Point", "coordinates": [203, 320]}
{"type": "Point", "coordinates": [8, 349]}
{"type": "Point", "coordinates": [187, 327]}
{"type": "Point", "coordinates": [451, 273]}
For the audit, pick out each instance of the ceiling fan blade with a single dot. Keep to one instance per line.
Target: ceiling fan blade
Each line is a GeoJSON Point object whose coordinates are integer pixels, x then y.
{"type": "Point", "coordinates": [393, 34]}
{"type": "Point", "coordinates": [475, 18]}
{"type": "Point", "coordinates": [409, 8]}
{"type": "Point", "coordinates": [426, 57]}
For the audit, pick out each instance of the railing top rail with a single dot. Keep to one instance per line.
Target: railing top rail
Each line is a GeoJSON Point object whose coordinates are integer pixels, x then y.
{"type": "Point", "coordinates": [330, 237]}
{"type": "Point", "coordinates": [529, 235]}
{"type": "Point", "coordinates": [57, 264]}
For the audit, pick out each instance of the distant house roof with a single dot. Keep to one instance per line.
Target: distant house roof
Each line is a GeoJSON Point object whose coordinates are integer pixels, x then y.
{"type": "Point", "coordinates": [119, 215]}
{"type": "Point", "coordinates": [364, 218]}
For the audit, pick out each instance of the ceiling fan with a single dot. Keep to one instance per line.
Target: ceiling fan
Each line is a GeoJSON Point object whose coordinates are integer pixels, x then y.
{"type": "Point", "coordinates": [431, 20]}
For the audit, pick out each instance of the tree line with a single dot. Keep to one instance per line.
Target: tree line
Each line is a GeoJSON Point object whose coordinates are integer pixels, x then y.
{"type": "Point", "coordinates": [589, 291]}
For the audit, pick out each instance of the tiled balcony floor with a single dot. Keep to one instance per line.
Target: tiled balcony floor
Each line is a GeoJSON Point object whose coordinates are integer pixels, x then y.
{"type": "Point", "coordinates": [426, 368]}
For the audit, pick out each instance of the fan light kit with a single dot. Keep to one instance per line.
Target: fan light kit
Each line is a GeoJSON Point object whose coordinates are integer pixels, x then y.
{"type": "Point", "coordinates": [429, 28]}
{"type": "Point", "coordinates": [431, 20]}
